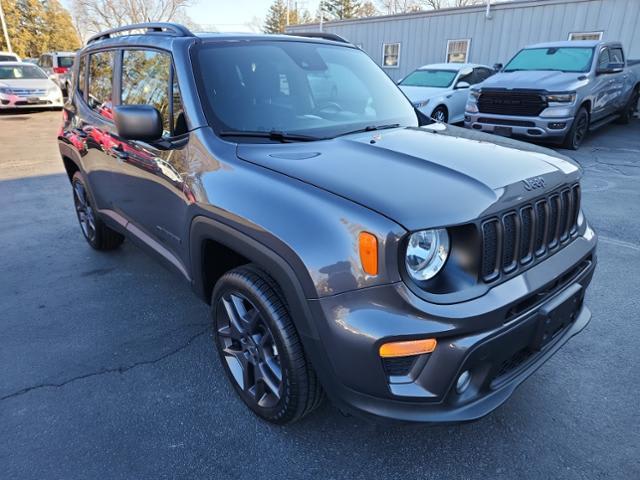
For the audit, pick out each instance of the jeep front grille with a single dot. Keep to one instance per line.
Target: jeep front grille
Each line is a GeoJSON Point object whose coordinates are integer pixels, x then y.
{"type": "Point", "coordinates": [517, 237]}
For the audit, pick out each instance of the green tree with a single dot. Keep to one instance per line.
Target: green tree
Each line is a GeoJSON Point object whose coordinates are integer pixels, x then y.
{"type": "Point", "coordinates": [61, 35]}
{"type": "Point", "coordinates": [277, 17]}
{"type": "Point", "coordinates": [342, 9]}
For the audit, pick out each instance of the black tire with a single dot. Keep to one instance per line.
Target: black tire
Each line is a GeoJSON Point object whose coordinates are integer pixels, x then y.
{"type": "Point", "coordinates": [578, 132]}
{"type": "Point", "coordinates": [259, 347]}
{"type": "Point", "coordinates": [627, 112]}
{"type": "Point", "coordinates": [440, 114]}
{"type": "Point", "coordinates": [97, 234]}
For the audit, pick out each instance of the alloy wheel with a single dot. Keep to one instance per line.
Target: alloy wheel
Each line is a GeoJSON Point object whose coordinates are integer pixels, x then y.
{"type": "Point", "coordinates": [581, 130]}
{"type": "Point", "coordinates": [249, 348]}
{"type": "Point", "coordinates": [86, 215]}
{"type": "Point", "coordinates": [440, 115]}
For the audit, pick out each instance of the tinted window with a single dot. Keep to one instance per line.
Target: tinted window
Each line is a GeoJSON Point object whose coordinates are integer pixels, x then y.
{"type": "Point", "coordinates": [616, 55]}
{"type": "Point", "coordinates": [7, 58]}
{"type": "Point", "coordinates": [65, 61]}
{"type": "Point", "coordinates": [285, 86]}
{"type": "Point", "coordinates": [145, 81]}
{"type": "Point", "coordinates": [429, 78]}
{"type": "Point", "coordinates": [82, 75]}
{"type": "Point", "coordinates": [603, 59]}
{"type": "Point", "coordinates": [563, 59]}
{"type": "Point", "coordinates": [179, 120]}
{"type": "Point", "coordinates": [482, 74]}
{"type": "Point", "coordinates": [100, 83]}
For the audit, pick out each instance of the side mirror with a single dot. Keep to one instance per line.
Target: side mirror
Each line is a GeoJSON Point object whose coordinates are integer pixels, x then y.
{"type": "Point", "coordinates": [497, 67]}
{"type": "Point", "coordinates": [138, 122]}
{"type": "Point", "coordinates": [611, 68]}
{"type": "Point", "coordinates": [461, 85]}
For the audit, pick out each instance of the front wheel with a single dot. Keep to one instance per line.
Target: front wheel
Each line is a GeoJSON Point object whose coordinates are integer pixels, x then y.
{"type": "Point", "coordinates": [440, 114]}
{"type": "Point", "coordinates": [578, 131]}
{"type": "Point", "coordinates": [97, 234]}
{"type": "Point", "coordinates": [259, 347]}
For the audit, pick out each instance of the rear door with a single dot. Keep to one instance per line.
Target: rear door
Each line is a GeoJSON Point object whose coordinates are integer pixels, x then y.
{"type": "Point", "coordinates": [603, 92]}
{"type": "Point", "coordinates": [618, 79]}
{"type": "Point", "coordinates": [149, 186]}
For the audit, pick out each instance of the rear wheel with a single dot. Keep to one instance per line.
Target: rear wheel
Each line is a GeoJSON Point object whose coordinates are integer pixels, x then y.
{"type": "Point", "coordinates": [627, 113]}
{"type": "Point", "coordinates": [260, 349]}
{"type": "Point", "coordinates": [578, 131]}
{"type": "Point", "coordinates": [440, 114]}
{"type": "Point", "coordinates": [97, 234]}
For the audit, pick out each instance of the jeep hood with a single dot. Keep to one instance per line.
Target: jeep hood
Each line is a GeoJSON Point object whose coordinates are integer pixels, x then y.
{"type": "Point", "coordinates": [548, 80]}
{"type": "Point", "coordinates": [419, 177]}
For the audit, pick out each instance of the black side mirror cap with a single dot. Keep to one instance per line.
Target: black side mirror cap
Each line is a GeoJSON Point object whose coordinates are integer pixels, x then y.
{"type": "Point", "coordinates": [138, 122]}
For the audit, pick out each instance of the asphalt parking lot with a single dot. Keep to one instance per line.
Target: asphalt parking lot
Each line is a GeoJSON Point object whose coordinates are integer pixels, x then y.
{"type": "Point", "coordinates": [108, 369]}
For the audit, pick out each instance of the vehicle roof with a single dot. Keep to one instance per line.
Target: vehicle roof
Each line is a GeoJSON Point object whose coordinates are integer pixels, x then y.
{"type": "Point", "coordinates": [3, 52]}
{"type": "Point", "coordinates": [61, 54]}
{"type": "Point", "coordinates": [450, 66]}
{"type": "Point", "coordinates": [572, 43]}
{"type": "Point", "coordinates": [18, 64]}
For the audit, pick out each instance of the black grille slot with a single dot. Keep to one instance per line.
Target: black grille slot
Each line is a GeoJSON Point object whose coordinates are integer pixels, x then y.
{"type": "Point", "coordinates": [552, 228]}
{"type": "Point", "coordinates": [527, 104]}
{"type": "Point", "coordinates": [489, 249]}
{"type": "Point", "coordinates": [506, 121]}
{"type": "Point", "coordinates": [398, 366]}
{"type": "Point", "coordinates": [516, 237]}
{"type": "Point", "coordinates": [526, 231]}
{"type": "Point", "coordinates": [541, 226]}
{"type": "Point", "coordinates": [510, 242]}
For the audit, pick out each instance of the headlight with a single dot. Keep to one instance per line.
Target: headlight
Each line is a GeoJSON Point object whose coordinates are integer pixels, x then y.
{"type": "Point", "coordinates": [561, 97]}
{"type": "Point", "coordinates": [474, 95]}
{"type": "Point", "coordinates": [53, 90]}
{"type": "Point", "coordinates": [427, 253]}
{"type": "Point", "coordinates": [6, 90]}
{"type": "Point", "coordinates": [420, 104]}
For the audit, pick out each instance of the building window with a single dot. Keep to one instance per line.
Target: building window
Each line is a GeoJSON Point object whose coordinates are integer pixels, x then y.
{"type": "Point", "coordinates": [458, 50]}
{"type": "Point", "coordinates": [391, 55]}
{"type": "Point", "coordinates": [585, 36]}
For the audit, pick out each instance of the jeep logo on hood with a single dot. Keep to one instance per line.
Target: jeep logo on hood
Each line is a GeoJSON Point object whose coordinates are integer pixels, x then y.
{"type": "Point", "coordinates": [533, 183]}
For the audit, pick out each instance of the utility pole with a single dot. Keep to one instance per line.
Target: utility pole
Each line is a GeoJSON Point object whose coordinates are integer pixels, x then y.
{"type": "Point", "coordinates": [321, 16]}
{"type": "Point", "coordinates": [4, 29]}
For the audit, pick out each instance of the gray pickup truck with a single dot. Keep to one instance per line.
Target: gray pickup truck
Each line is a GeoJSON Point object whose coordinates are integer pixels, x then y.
{"type": "Point", "coordinates": [558, 92]}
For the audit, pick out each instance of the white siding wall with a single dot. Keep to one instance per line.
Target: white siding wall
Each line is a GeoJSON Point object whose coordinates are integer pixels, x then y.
{"type": "Point", "coordinates": [423, 36]}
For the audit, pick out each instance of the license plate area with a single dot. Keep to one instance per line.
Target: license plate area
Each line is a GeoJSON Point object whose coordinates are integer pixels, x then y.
{"type": "Point", "coordinates": [555, 316]}
{"type": "Point", "coordinates": [503, 131]}
{"type": "Point", "coordinates": [33, 100]}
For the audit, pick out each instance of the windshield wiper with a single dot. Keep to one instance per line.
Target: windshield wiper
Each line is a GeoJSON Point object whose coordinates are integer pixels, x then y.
{"type": "Point", "coordinates": [272, 135]}
{"type": "Point", "coordinates": [370, 128]}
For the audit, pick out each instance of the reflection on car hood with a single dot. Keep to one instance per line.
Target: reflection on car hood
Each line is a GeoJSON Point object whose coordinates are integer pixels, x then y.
{"type": "Point", "coordinates": [419, 177]}
{"type": "Point", "coordinates": [417, 94]}
{"type": "Point", "coordinates": [535, 79]}
{"type": "Point", "coordinates": [36, 83]}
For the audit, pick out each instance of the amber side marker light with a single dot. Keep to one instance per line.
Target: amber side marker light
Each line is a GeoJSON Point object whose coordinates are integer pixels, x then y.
{"type": "Point", "coordinates": [408, 348]}
{"type": "Point", "coordinates": [368, 244]}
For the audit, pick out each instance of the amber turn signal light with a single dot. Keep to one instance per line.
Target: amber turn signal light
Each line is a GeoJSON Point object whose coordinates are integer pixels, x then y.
{"type": "Point", "coordinates": [369, 252]}
{"type": "Point", "coordinates": [408, 348]}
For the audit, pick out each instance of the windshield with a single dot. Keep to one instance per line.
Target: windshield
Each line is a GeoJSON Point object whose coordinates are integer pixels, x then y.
{"type": "Point", "coordinates": [14, 72]}
{"type": "Point", "coordinates": [429, 78]}
{"type": "Point", "coordinates": [564, 59]}
{"type": "Point", "coordinates": [65, 62]}
{"type": "Point", "coordinates": [296, 87]}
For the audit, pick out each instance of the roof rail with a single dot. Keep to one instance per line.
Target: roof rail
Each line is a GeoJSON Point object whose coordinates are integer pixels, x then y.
{"type": "Point", "coordinates": [172, 29]}
{"type": "Point", "coordinates": [323, 35]}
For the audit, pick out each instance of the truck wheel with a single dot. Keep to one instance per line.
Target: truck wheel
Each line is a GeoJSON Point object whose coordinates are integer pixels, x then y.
{"type": "Point", "coordinates": [98, 235]}
{"type": "Point", "coordinates": [259, 347]}
{"type": "Point", "coordinates": [627, 113]}
{"type": "Point", "coordinates": [440, 114]}
{"type": "Point", "coordinates": [578, 130]}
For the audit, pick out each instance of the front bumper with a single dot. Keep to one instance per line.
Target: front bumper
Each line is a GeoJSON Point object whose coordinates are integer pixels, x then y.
{"type": "Point", "coordinates": [551, 128]}
{"type": "Point", "coordinates": [10, 101]}
{"type": "Point", "coordinates": [483, 336]}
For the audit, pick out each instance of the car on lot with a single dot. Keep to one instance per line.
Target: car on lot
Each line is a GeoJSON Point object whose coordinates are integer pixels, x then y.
{"type": "Point", "coordinates": [410, 269]}
{"type": "Point", "coordinates": [58, 66]}
{"type": "Point", "coordinates": [9, 57]}
{"type": "Point", "coordinates": [24, 85]}
{"type": "Point", "coordinates": [557, 91]}
{"type": "Point", "coordinates": [440, 91]}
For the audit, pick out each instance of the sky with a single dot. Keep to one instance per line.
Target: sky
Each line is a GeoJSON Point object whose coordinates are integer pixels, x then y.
{"type": "Point", "coordinates": [237, 15]}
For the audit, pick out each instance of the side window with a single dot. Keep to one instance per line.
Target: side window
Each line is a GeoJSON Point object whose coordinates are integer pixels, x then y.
{"type": "Point", "coordinates": [179, 119]}
{"type": "Point", "coordinates": [145, 81]}
{"type": "Point", "coordinates": [603, 59]}
{"type": "Point", "coordinates": [482, 74]}
{"type": "Point", "coordinates": [100, 83]}
{"type": "Point", "coordinates": [616, 55]}
{"type": "Point", "coordinates": [470, 78]}
{"type": "Point", "coordinates": [82, 75]}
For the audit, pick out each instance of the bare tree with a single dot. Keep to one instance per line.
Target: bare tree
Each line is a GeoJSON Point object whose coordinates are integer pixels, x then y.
{"type": "Point", "coordinates": [392, 7]}
{"type": "Point", "coordinates": [92, 16]}
{"type": "Point", "coordinates": [438, 4]}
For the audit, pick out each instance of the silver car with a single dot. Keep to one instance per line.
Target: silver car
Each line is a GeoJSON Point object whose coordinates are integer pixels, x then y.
{"type": "Point", "coordinates": [23, 85]}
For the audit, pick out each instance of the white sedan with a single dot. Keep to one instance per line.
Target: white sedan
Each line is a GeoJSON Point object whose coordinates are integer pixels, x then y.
{"type": "Point", "coordinates": [440, 90]}
{"type": "Point", "coordinates": [24, 85]}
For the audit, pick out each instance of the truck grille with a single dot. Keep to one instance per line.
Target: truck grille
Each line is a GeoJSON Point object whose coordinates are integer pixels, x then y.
{"type": "Point", "coordinates": [515, 238]}
{"type": "Point", "coordinates": [526, 104]}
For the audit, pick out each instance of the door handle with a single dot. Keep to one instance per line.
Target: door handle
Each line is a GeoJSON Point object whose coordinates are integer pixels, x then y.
{"type": "Point", "coordinates": [119, 153]}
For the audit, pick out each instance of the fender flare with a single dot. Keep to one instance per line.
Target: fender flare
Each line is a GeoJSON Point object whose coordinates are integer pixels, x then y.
{"type": "Point", "coordinates": [295, 291]}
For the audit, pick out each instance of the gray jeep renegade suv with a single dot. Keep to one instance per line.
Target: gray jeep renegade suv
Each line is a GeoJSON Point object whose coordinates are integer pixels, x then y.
{"type": "Point", "coordinates": [346, 244]}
